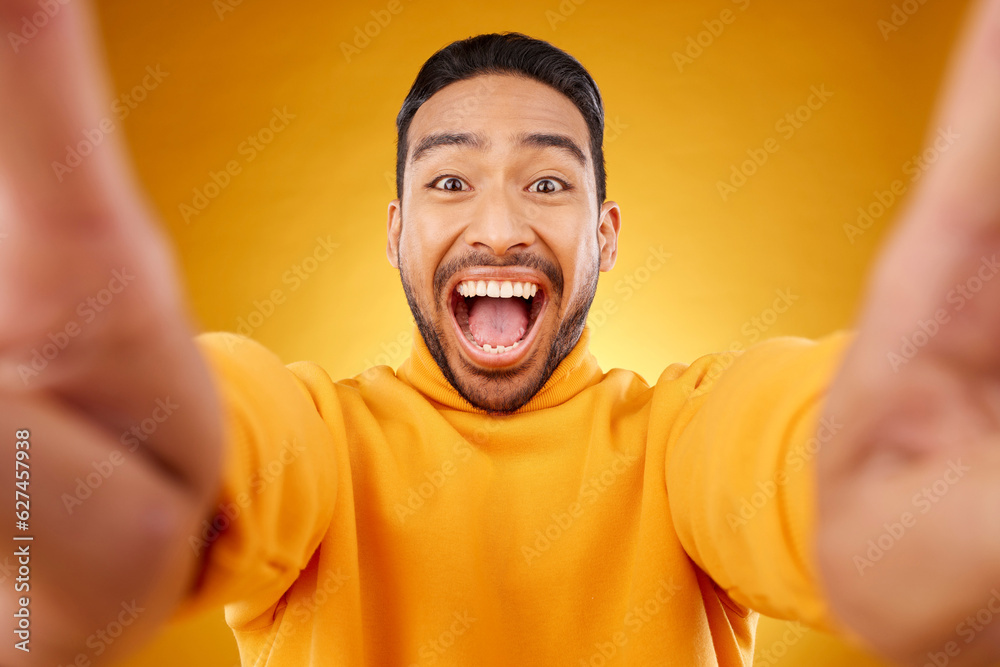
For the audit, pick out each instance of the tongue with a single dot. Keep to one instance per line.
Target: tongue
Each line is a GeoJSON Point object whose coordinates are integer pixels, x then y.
{"type": "Point", "coordinates": [498, 321]}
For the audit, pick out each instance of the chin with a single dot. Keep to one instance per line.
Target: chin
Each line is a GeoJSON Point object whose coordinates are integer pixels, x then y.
{"type": "Point", "coordinates": [499, 390]}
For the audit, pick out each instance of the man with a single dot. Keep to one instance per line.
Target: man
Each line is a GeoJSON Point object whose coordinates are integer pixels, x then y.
{"type": "Point", "coordinates": [498, 499]}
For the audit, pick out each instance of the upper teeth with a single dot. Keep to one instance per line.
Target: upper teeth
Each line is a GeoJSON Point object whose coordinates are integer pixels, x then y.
{"type": "Point", "coordinates": [495, 288]}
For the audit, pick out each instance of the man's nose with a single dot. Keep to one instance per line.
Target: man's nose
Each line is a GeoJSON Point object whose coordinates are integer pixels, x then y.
{"type": "Point", "coordinates": [501, 223]}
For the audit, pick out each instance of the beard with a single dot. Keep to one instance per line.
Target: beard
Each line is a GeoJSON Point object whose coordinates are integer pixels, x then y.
{"type": "Point", "coordinates": [502, 391]}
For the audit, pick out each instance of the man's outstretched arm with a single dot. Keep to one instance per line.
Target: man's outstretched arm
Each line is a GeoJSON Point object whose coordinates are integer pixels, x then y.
{"type": "Point", "coordinates": [94, 340]}
{"type": "Point", "coordinates": [909, 536]}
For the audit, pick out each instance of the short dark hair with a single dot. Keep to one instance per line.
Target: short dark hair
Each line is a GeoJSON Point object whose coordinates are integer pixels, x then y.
{"type": "Point", "coordinates": [507, 53]}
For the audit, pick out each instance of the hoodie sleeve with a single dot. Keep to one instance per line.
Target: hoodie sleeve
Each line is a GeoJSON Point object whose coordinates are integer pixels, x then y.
{"type": "Point", "coordinates": [278, 483]}
{"type": "Point", "coordinates": [741, 476]}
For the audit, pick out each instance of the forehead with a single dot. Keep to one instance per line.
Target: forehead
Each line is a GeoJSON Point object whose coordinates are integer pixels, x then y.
{"type": "Point", "coordinates": [500, 107]}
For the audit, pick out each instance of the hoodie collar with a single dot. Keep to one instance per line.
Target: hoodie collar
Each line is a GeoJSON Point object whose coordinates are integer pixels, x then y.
{"type": "Point", "coordinates": [575, 373]}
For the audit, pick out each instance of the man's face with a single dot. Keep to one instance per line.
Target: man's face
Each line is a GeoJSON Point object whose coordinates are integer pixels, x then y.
{"type": "Point", "coordinates": [499, 237]}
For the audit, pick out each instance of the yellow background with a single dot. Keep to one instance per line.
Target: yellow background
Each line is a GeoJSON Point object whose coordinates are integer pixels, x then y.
{"type": "Point", "coordinates": [672, 136]}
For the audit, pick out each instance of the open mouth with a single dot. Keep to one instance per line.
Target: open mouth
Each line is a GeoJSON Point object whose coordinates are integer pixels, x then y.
{"type": "Point", "coordinates": [495, 318]}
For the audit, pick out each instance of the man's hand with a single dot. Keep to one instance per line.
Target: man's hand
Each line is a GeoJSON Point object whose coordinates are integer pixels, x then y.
{"type": "Point", "coordinates": [909, 538]}
{"type": "Point", "coordinates": [96, 362]}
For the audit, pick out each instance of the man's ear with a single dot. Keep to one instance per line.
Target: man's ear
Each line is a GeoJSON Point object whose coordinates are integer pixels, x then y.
{"type": "Point", "coordinates": [607, 234]}
{"type": "Point", "coordinates": [394, 229]}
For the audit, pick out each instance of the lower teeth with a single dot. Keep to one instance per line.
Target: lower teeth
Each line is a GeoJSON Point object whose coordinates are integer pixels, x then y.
{"type": "Point", "coordinates": [494, 350]}
{"type": "Point", "coordinates": [499, 348]}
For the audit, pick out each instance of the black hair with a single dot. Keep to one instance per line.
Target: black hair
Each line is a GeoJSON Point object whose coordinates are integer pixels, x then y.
{"type": "Point", "coordinates": [515, 54]}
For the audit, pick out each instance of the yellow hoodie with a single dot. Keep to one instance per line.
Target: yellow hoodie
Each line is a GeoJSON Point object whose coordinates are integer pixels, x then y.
{"type": "Point", "coordinates": [383, 520]}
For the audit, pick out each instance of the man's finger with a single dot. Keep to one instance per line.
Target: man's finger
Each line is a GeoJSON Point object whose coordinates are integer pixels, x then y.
{"type": "Point", "coordinates": [54, 104]}
{"type": "Point", "coordinates": [963, 185]}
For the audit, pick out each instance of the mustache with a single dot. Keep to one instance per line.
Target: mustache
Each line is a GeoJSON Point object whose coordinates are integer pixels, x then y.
{"type": "Point", "coordinates": [478, 258]}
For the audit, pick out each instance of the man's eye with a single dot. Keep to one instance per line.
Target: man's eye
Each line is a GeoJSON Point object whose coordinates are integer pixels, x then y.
{"type": "Point", "coordinates": [546, 186]}
{"type": "Point", "coordinates": [451, 184]}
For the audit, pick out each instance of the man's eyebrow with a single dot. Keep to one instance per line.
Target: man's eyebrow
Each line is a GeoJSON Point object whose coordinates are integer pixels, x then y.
{"type": "Point", "coordinates": [432, 141]}
{"type": "Point", "coordinates": [543, 140]}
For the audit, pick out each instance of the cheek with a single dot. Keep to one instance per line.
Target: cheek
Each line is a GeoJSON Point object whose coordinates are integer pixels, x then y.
{"type": "Point", "coordinates": [580, 259]}
{"type": "Point", "coordinates": [422, 247]}
{"type": "Point", "coordinates": [427, 229]}
{"type": "Point", "coordinates": [413, 266]}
